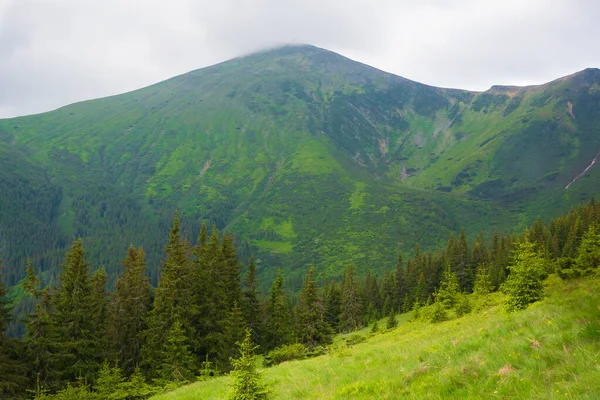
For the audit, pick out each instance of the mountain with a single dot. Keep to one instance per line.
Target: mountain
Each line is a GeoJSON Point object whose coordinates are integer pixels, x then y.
{"type": "Point", "coordinates": [306, 156]}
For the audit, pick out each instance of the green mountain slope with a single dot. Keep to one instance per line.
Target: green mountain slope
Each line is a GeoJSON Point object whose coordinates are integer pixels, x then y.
{"type": "Point", "coordinates": [548, 351]}
{"type": "Point", "coordinates": [307, 156]}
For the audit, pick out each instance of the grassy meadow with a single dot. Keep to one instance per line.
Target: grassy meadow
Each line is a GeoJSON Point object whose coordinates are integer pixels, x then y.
{"type": "Point", "coordinates": [551, 350]}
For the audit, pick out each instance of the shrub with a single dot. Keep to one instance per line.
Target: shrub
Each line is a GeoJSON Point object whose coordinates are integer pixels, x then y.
{"type": "Point", "coordinates": [463, 305]}
{"type": "Point", "coordinates": [288, 352]}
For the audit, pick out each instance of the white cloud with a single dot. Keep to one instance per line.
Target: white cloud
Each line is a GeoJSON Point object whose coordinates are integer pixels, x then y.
{"type": "Point", "coordinates": [53, 52]}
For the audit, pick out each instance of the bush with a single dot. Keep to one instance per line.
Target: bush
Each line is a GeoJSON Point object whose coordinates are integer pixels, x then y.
{"type": "Point", "coordinates": [355, 338]}
{"type": "Point", "coordinates": [438, 313]}
{"type": "Point", "coordinates": [296, 351]}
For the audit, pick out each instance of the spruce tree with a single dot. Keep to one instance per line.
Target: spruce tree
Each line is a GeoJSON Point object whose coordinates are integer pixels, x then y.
{"type": "Point", "coordinates": [312, 327]}
{"type": "Point", "coordinates": [449, 289]}
{"type": "Point", "coordinates": [246, 381]}
{"type": "Point", "coordinates": [588, 253]}
{"type": "Point", "coordinates": [400, 289]}
{"type": "Point", "coordinates": [12, 379]}
{"type": "Point", "coordinates": [175, 300]}
{"type": "Point", "coordinates": [392, 322]}
{"type": "Point", "coordinates": [483, 283]}
{"type": "Point", "coordinates": [280, 328]}
{"type": "Point", "coordinates": [235, 326]}
{"type": "Point", "coordinates": [178, 364]}
{"type": "Point", "coordinates": [76, 329]}
{"type": "Point", "coordinates": [525, 282]}
{"type": "Point", "coordinates": [251, 303]}
{"type": "Point", "coordinates": [333, 306]}
{"type": "Point", "coordinates": [41, 340]}
{"type": "Point", "coordinates": [128, 311]}
{"type": "Point", "coordinates": [351, 317]}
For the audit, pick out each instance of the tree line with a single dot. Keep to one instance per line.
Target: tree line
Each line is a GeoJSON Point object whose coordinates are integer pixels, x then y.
{"type": "Point", "coordinates": [82, 341]}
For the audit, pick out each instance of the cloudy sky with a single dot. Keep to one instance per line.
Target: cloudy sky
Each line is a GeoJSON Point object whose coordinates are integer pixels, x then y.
{"type": "Point", "coordinates": [55, 52]}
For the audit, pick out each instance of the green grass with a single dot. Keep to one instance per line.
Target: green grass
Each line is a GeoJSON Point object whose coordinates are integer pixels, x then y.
{"type": "Point", "coordinates": [549, 351]}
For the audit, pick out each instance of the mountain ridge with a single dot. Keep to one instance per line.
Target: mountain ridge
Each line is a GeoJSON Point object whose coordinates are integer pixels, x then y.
{"type": "Point", "coordinates": [307, 156]}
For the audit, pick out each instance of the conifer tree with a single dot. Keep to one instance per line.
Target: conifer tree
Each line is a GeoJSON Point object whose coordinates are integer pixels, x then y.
{"type": "Point", "coordinates": [352, 308]}
{"type": "Point", "coordinates": [41, 339]}
{"type": "Point", "coordinates": [312, 327]}
{"type": "Point", "coordinates": [99, 304]}
{"type": "Point", "coordinates": [12, 371]}
{"type": "Point", "coordinates": [175, 300]}
{"type": "Point", "coordinates": [235, 326]}
{"type": "Point", "coordinates": [483, 284]}
{"type": "Point", "coordinates": [588, 253]}
{"type": "Point", "coordinates": [251, 303]}
{"type": "Point", "coordinates": [400, 289]}
{"type": "Point", "coordinates": [178, 363]}
{"type": "Point", "coordinates": [392, 322]}
{"type": "Point", "coordinates": [280, 328]}
{"type": "Point", "coordinates": [246, 381]}
{"type": "Point", "coordinates": [525, 282]}
{"type": "Point", "coordinates": [449, 289]}
{"type": "Point", "coordinates": [73, 318]}
{"type": "Point", "coordinates": [333, 306]}
{"type": "Point", "coordinates": [128, 311]}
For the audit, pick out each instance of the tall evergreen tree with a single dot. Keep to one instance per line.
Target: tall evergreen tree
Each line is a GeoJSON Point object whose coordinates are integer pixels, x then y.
{"type": "Point", "coordinates": [178, 363]}
{"type": "Point", "coordinates": [312, 327]}
{"type": "Point", "coordinates": [351, 317]}
{"type": "Point", "coordinates": [333, 305]}
{"type": "Point", "coordinates": [76, 330]}
{"type": "Point", "coordinates": [251, 303]}
{"type": "Point", "coordinates": [12, 377]}
{"type": "Point", "coordinates": [175, 300]}
{"type": "Point", "coordinates": [525, 282]}
{"type": "Point", "coordinates": [235, 327]}
{"type": "Point", "coordinates": [280, 328]}
{"type": "Point", "coordinates": [40, 336]}
{"type": "Point", "coordinates": [128, 311]}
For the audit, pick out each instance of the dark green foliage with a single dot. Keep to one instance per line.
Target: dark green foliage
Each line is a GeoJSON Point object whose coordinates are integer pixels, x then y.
{"type": "Point", "coordinates": [375, 327]}
{"type": "Point", "coordinates": [463, 305]}
{"type": "Point", "coordinates": [251, 303]}
{"type": "Point", "coordinates": [392, 322]}
{"type": "Point", "coordinates": [280, 327]}
{"type": "Point", "coordinates": [311, 326]}
{"type": "Point", "coordinates": [175, 300]}
{"type": "Point", "coordinates": [11, 370]}
{"type": "Point", "coordinates": [289, 352]}
{"type": "Point", "coordinates": [235, 328]}
{"type": "Point", "coordinates": [351, 317]}
{"type": "Point", "coordinates": [588, 254]}
{"type": "Point", "coordinates": [75, 304]}
{"type": "Point", "coordinates": [438, 314]}
{"type": "Point", "coordinates": [448, 291]}
{"type": "Point", "coordinates": [483, 284]}
{"type": "Point", "coordinates": [246, 381]}
{"type": "Point", "coordinates": [333, 305]}
{"type": "Point", "coordinates": [128, 311]}
{"type": "Point", "coordinates": [525, 282]}
{"type": "Point", "coordinates": [178, 364]}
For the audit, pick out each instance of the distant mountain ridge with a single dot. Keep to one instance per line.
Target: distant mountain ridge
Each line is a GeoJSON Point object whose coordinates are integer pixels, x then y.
{"type": "Point", "coordinates": [307, 156]}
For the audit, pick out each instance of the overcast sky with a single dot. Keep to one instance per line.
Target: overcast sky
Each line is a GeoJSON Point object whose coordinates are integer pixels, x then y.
{"type": "Point", "coordinates": [56, 52]}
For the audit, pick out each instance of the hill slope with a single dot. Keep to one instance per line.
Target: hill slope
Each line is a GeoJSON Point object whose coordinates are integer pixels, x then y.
{"type": "Point", "coordinates": [307, 156]}
{"type": "Point", "coordinates": [548, 351]}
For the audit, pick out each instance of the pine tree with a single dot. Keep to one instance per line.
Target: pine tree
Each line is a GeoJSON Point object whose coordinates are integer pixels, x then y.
{"type": "Point", "coordinates": [351, 317]}
{"type": "Point", "coordinates": [375, 327]}
{"type": "Point", "coordinates": [483, 284]}
{"type": "Point", "coordinates": [99, 305]}
{"type": "Point", "coordinates": [392, 322]}
{"type": "Point", "coordinates": [525, 282]}
{"type": "Point", "coordinates": [251, 303]}
{"type": "Point", "coordinates": [312, 327]}
{"type": "Point", "coordinates": [76, 329]}
{"type": "Point", "coordinates": [333, 306]}
{"type": "Point", "coordinates": [235, 326]}
{"type": "Point", "coordinates": [12, 377]}
{"type": "Point", "coordinates": [128, 311]}
{"type": "Point", "coordinates": [40, 335]}
{"type": "Point", "coordinates": [246, 381]}
{"type": "Point", "coordinates": [449, 289]}
{"type": "Point", "coordinates": [175, 301]}
{"type": "Point", "coordinates": [178, 363]}
{"type": "Point", "coordinates": [280, 328]}
{"type": "Point", "coordinates": [588, 253]}
{"type": "Point", "coordinates": [400, 289]}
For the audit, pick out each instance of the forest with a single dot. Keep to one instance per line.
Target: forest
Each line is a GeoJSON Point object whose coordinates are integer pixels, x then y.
{"type": "Point", "coordinates": [207, 313]}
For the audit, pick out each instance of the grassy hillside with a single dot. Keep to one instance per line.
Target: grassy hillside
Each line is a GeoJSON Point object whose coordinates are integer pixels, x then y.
{"type": "Point", "coordinates": [308, 157]}
{"type": "Point", "coordinates": [548, 351]}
